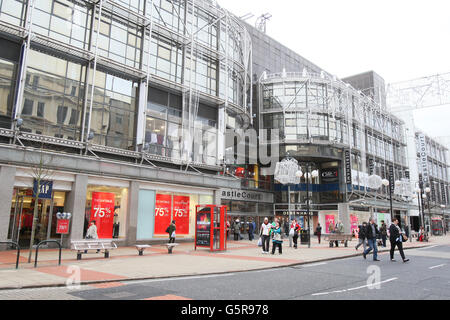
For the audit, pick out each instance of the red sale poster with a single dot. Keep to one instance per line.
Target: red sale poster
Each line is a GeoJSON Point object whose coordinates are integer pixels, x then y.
{"type": "Point", "coordinates": [181, 214]}
{"type": "Point", "coordinates": [353, 223]}
{"type": "Point", "coordinates": [102, 211]}
{"type": "Point", "coordinates": [329, 220]}
{"type": "Point", "coordinates": [62, 226]}
{"type": "Point", "coordinates": [163, 212]}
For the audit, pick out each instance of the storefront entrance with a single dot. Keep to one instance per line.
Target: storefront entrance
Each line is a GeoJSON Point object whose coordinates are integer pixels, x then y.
{"type": "Point", "coordinates": [244, 222]}
{"type": "Point", "coordinates": [21, 217]}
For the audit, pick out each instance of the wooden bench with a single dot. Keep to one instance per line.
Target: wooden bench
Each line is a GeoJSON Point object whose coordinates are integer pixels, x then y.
{"type": "Point", "coordinates": [82, 246]}
{"type": "Point", "coordinates": [338, 237]}
{"type": "Point", "coordinates": [141, 248]}
{"type": "Point", "coordinates": [170, 246]}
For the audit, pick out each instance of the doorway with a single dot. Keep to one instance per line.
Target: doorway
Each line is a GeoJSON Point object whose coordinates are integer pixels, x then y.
{"type": "Point", "coordinates": [21, 217]}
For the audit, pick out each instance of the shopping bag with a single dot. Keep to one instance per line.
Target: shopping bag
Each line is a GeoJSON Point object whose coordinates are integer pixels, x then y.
{"type": "Point", "coordinates": [260, 242]}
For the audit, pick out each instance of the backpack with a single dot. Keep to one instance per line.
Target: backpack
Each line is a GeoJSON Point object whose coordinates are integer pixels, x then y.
{"type": "Point", "coordinates": [167, 230]}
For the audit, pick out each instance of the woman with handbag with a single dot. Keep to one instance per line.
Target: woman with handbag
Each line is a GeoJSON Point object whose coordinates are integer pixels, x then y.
{"type": "Point", "coordinates": [291, 232]}
{"type": "Point", "coordinates": [277, 241]}
{"type": "Point", "coordinates": [397, 237]}
{"type": "Point", "coordinates": [297, 229]}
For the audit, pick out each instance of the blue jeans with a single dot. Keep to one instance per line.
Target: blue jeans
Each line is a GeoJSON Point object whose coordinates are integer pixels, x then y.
{"type": "Point", "coordinates": [372, 246]}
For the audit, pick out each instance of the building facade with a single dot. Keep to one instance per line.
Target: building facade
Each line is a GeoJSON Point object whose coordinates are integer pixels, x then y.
{"type": "Point", "coordinates": [432, 167]}
{"type": "Point", "coordinates": [124, 105]}
{"type": "Point", "coordinates": [345, 136]}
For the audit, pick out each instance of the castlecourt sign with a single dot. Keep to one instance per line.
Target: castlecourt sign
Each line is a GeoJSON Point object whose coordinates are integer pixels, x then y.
{"type": "Point", "coordinates": [255, 196]}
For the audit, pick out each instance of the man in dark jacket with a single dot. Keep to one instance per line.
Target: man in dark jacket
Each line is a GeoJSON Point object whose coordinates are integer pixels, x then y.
{"type": "Point", "coordinates": [371, 234]}
{"type": "Point", "coordinates": [171, 230]}
{"type": "Point", "coordinates": [319, 232]}
{"type": "Point", "coordinates": [362, 236]}
{"type": "Point", "coordinates": [396, 239]}
{"type": "Point", "coordinates": [251, 229]}
{"type": "Point", "coordinates": [383, 231]}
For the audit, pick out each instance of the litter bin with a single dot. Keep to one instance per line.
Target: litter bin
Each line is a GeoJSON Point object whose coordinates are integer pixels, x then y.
{"type": "Point", "coordinates": [304, 237]}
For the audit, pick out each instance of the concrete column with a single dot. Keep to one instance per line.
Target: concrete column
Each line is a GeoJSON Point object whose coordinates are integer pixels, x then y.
{"type": "Point", "coordinates": [344, 216]}
{"type": "Point", "coordinates": [218, 197]}
{"type": "Point", "coordinates": [132, 215]}
{"type": "Point", "coordinates": [7, 177]}
{"type": "Point", "coordinates": [76, 204]}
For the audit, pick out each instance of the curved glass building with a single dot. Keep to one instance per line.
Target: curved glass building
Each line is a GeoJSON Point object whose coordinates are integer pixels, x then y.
{"type": "Point", "coordinates": [335, 129]}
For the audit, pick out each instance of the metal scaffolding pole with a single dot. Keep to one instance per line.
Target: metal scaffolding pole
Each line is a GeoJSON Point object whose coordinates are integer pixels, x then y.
{"type": "Point", "coordinates": [25, 51]}
{"type": "Point", "coordinates": [94, 70]}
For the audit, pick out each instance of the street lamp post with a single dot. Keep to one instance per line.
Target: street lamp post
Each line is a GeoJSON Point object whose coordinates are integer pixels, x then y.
{"type": "Point", "coordinates": [287, 172]}
{"type": "Point", "coordinates": [421, 206]}
{"type": "Point", "coordinates": [389, 183]}
{"type": "Point", "coordinates": [444, 223]}
{"type": "Point", "coordinates": [309, 175]}
{"type": "Point", "coordinates": [428, 191]}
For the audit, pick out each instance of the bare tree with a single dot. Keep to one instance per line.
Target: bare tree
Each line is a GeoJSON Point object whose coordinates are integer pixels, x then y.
{"type": "Point", "coordinates": [41, 174]}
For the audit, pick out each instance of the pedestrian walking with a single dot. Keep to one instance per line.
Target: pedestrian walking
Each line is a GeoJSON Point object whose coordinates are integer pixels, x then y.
{"type": "Point", "coordinates": [264, 232]}
{"type": "Point", "coordinates": [228, 228]}
{"type": "Point", "coordinates": [362, 236]}
{"type": "Point", "coordinates": [274, 224]}
{"type": "Point", "coordinates": [286, 227]}
{"type": "Point", "coordinates": [171, 231]}
{"type": "Point", "coordinates": [297, 229]}
{"type": "Point", "coordinates": [92, 233]}
{"type": "Point", "coordinates": [291, 232]}
{"type": "Point", "coordinates": [319, 232]}
{"type": "Point", "coordinates": [371, 233]}
{"type": "Point", "coordinates": [277, 242]}
{"type": "Point", "coordinates": [251, 229]}
{"type": "Point", "coordinates": [383, 232]}
{"type": "Point", "coordinates": [237, 230]}
{"type": "Point", "coordinates": [339, 228]}
{"type": "Point", "coordinates": [397, 237]}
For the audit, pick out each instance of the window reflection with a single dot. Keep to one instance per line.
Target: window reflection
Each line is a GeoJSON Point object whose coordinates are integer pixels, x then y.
{"type": "Point", "coordinates": [50, 96]}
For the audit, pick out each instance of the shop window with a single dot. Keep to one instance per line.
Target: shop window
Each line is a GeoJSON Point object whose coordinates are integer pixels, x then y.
{"type": "Point", "coordinates": [21, 217]}
{"type": "Point", "coordinates": [108, 206]}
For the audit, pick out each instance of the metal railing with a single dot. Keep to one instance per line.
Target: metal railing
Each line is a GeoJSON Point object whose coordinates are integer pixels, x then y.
{"type": "Point", "coordinates": [47, 241]}
{"type": "Point", "coordinates": [17, 248]}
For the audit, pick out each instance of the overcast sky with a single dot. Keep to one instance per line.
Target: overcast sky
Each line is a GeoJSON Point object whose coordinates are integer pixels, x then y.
{"type": "Point", "coordinates": [398, 39]}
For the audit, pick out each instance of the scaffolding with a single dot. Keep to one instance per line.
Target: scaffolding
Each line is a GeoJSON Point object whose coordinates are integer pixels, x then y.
{"type": "Point", "coordinates": [426, 92]}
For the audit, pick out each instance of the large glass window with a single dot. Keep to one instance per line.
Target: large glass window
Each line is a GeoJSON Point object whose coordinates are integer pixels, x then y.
{"type": "Point", "coordinates": [119, 40]}
{"type": "Point", "coordinates": [12, 11]}
{"type": "Point", "coordinates": [49, 96]}
{"type": "Point", "coordinates": [62, 20]}
{"type": "Point", "coordinates": [164, 128]}
{"type": "Point", "coordinates": [114, 111]}
{"type": "Point", "coordinates": [7, 74]}
{"type": "Point", "coordinates": [108, 207]}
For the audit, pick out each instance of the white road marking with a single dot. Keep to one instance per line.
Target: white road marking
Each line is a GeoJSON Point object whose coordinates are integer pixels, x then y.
{"type": "Point", "coordinates": [314, 264]}
{"type": "Point", "coordinates": [357, 288]}
{"type": "Point", "coordinates": [427, 247]}
{"type": "Point", "coordinates": [181, 278]}
{"type": "Point", "coordinates": [438, 266]}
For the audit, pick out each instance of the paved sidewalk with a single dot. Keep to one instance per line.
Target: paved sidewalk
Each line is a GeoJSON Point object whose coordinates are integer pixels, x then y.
{"type": "Point", "coordinates": [126, 264]}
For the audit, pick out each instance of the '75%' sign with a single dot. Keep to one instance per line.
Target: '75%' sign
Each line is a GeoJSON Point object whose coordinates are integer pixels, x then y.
{"type": "Point", "coordinates": [102, 211]}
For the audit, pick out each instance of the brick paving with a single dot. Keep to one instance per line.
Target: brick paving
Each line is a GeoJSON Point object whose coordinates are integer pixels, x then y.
{"type": "Point", "coordinates": [125, 263]}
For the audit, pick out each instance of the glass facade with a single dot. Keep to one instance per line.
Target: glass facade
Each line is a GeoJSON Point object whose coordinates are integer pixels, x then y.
{"type": "Point", "coordinates": [313, 110]}
{"type": "Point", "coordinates": [59, 73]}
{"type": "Point", "coordinates": [7, 72]}
{"type": "Point", "coordinates": [437, 170]}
